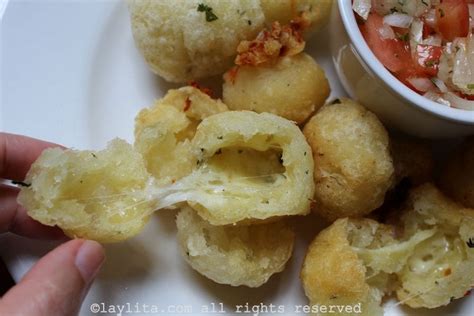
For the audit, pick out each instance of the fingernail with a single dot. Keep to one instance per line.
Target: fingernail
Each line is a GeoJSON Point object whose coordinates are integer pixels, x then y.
{"type": "Point", "coordinates": [89, 259]}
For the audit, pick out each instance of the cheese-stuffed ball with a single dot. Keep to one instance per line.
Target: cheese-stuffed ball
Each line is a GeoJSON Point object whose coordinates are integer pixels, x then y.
{"type": "Point", "coordinates": [412, 159]}
{"type": "Point", "coordinates": [95, 195]}
{"type": "Point", "coordinates": [293, 87]}
{"type": "Point", "coordinates": [235, 255]}
{"type": "Point", "coordinates": [249, 167]}
{"type": "Point", "coordinates": [441, 267]}
{"type": "Point", "coordinates": [353, 167]}
{"type": "Point", "coordinates": [164, 131]}
{"type": "Point", "coordinates": [315, 12]}
{"type": "Point", "coordinates": [192, 39]}
{"type": "Point", "coordinates": [457, 175]}
{"type": "Point", "coordinates": [352, 262]}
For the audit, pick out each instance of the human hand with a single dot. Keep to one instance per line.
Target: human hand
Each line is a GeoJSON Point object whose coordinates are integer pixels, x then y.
{"type": "Point", "coordinates": [58, 282]}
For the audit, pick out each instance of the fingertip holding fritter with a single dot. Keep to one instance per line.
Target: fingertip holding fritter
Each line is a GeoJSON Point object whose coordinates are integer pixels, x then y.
{"type": "Point", "coordinates": [353, 165]}
{"type": "Point", "coordinates": [293, 87]}
{"type": "Point", "coordinates": [234, 255]}
{"type": "Point", "coordinates": [163, 132]}
{"type": "Point", "coordinates": [457, 175]}
{"type": "Point", "coordinates": [95, 195]}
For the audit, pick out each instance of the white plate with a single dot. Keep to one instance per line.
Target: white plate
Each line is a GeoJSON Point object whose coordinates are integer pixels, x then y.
{"type": "Point", "coordinates": [71, 74]}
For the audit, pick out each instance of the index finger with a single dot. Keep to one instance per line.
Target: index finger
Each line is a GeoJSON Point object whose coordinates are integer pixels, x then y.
{"type": "Point", "coordinates": [17, 153]}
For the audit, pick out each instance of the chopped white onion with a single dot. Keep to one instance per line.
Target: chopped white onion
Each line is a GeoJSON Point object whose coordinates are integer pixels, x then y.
{"type": "Point", "coordinates": [386, 32]}
{"type": "Point", "coordinates": [421, 84]}
{"type": "Point", "coordinates": [398, 20]}
{"type": "Point", "coordinates": [433, 96]}
{"type": "Point", "coordinates": [433, 40]}
{"type": "Point", "coordinates": [458, 102]}
{"type": "Point", "coordinates": [440, 84]}
{"type": "Point", "coordinates": [445, 66]}
{"type": "Point", "coordinates": [471, 15]}
{"type": "Point", "coordinates": [463, 66]}
{"type": "Point", "coordinates": [416, 31]}
{"type": "Point", "coordinates": [362, 8]}
{"type": "Point", "coordinates": [413, 8]}
{"type": "Point", "coordinates": [430, 18]}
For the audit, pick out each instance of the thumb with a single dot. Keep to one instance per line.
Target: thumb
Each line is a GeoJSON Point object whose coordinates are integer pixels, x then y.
{"type": "Point", "coordinates": [58, 283]}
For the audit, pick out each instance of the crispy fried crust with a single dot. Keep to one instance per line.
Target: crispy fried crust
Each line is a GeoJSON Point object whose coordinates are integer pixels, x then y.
{"type": "Point", "coordinates": [180, 45]}
{"type": "Point", "coordinates": [250, 166]}
{"type": "Point", "coordinates": [293, 87]}
{"type": "Point", "coordinates": [353, 166]}
{"type": "Point", "coordinates": [94, 195]}
{"type": "Point", "coordinates": [164, 131]}
{"type": "Point", "coordinates": [235, 255]}
{"type": "Point", "coordinates": [442, 267]}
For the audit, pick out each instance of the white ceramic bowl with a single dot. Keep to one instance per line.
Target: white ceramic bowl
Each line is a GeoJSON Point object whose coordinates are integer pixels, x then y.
{"type": "Point", "coordinates": [368, 81]}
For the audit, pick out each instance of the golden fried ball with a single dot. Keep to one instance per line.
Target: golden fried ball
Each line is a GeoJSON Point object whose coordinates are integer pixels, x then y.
{"type": "Point", "coordinates": [164, 131]}
{"type": "Point", "coordinates": [457, 175]}
{"type": "Point", "coordinates": [249, 167]}
{"type": "Point", "coordinates": [294, 87]}
{"type": "Point", "coordinates": [94, 195]}
{"type": "Point", "coordinates": [235, 255]}
{"type": "Point", "coordinates": [181, 43]}
{"type": "Point", "coordinates": [412, 159]}
{"type": "Point", "coordinates": [364, 256]}
{"type": "Point", "coordinates": [353, 166]}
{"type": "Point", "coordinates": [441, 267]}
{"type": "Point", "coordinates": [333, 273]}
{"type": "Point", "coordinates": [318, 12]}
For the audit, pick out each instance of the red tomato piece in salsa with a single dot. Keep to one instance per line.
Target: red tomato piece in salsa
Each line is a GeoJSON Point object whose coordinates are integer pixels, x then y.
{"type": "Point", "coordinates": [392, 53]}
{"type": "Point", "coordinates": [428, 58]}
{"type": "Point", "coordinates": [452, 19]}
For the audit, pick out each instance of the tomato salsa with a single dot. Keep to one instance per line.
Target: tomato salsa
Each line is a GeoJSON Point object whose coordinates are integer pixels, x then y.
{"type": "Point", "coordinates": [427, 44]}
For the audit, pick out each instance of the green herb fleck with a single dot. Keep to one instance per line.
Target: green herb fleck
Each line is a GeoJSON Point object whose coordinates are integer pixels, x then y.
{"type": "Point", "coordinates": [470, 86]}
{"type": "Point", "coordinates": [470, 243]}
{"type": "Point", "coordinates": [220, 137]}
{"type": "Point", "coordinates": [210, 16]}
{"type": "Point", "coordinates": [94, 155]}
{"type": "Point", "coordinates": [403, 37]}
{"type": "Point", "coordinates": [249, 22]}
{"type": "Point", "coordinates": [21, 183]}
{"type": "Point", "coordinates": [430, 63]}
{"type": "Point", "coordinates": [336, 101]}
{"type": "Point", "coordinates": [424, 2]}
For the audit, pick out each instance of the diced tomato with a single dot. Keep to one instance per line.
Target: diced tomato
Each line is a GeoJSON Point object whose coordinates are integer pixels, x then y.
{"type": "Point", "coordinates": [466, 96]}
{"type": "Point", "coordinates": [392, 53]}
{"type": "Point", "coordinates": [427, 31]}
{"type": "Point", "coordinates": [453, 19]}
{"type": "Point", "coordinates": [427, 57]}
